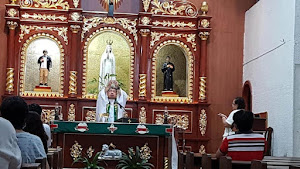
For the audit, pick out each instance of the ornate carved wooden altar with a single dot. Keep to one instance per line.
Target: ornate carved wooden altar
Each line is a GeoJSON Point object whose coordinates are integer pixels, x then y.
{"type": "Point", "coordinates": [159, 27]}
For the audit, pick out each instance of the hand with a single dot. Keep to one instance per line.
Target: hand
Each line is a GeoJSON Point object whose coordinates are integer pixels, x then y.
{"type": "Point", "coordinates": [222, 115]}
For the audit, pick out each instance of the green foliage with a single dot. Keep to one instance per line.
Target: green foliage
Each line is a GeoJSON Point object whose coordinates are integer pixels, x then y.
{"type": "Point", "coordinates": [93, 164]}
{"type": "Point", "coordinates": [133, 160]}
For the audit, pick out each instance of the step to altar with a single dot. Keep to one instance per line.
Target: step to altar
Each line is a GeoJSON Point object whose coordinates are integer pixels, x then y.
{"type": "Point", "coordinates": [42, 89]}
{"type": "Point", "coordinates": [169, 94]}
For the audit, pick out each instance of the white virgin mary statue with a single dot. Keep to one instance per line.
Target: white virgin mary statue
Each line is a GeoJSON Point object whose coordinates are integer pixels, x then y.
{"type": "Point", "coordinates": [107, 66]}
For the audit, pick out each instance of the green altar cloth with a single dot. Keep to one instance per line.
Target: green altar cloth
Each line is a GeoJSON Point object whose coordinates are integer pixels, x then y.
{"type": "Point", "coordinates": [108, 128]}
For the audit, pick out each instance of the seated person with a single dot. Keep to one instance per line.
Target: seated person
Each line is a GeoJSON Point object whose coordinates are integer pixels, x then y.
{"type": "Point", "coordinates": [37, 108]}
{"type": "Point", "coordinates": [111, 102]}
{"type": "Point", "coordinates": [244, 145]}
{"type": "Point", "coordinates": [10, 154]}
{"type": "Point", "coordinates": [15, 110]}
{"type": "Point", "coordinates": [34, 125]}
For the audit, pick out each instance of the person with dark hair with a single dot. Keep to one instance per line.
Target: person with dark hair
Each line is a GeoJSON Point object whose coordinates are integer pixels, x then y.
{"type": "Point", "coordinates": [37, 108]}
{"type": "Point", "coordinates": [244, 145]}
{"type": "Point", "coordinates": [45, 63]}
{"type": "Point", "coordinates": [237, 104]}
{"type": "Point", "coordinates": [34, 125]}
{"type": "Point", "coordinates": [15, 110]}
{"type": "Point", "coordinates": [10, 154]}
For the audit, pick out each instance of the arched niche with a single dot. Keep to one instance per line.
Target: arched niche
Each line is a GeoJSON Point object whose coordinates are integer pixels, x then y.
{"type": "Point", "coordinates": [29, 73]}
{"type": "Point", "coordinates": [182, 58]}
{"type": "Point", "coordinates": [179, 60]}
{"type": "Point", "coordinates": [122, 48]}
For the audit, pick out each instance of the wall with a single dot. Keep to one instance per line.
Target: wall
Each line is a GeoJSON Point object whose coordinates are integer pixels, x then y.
{"type": "Point", "coordinates": [3, 48]}
{"type": "Point", "coordinates": [268, 65]}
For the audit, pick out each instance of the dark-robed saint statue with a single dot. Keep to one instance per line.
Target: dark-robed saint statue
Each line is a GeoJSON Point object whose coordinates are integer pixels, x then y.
{"type": "Point", "coordinates": [168, 69]}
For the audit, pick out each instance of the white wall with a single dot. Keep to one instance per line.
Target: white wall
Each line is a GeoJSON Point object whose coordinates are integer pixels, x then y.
{"type": "Point", "coordinates": [269, 66]}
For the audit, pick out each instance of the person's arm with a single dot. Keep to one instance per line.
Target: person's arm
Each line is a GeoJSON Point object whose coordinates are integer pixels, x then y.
{"type": "Point", "coordinates": [222, 151]}
{"type": "Point", "coordinates": [219, 154]}
{"type": "Point", "coordinates": [224, 120]}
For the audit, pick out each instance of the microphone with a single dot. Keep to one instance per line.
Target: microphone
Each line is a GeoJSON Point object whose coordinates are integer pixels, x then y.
{"type": "Point", "coordinates": [123, 108]}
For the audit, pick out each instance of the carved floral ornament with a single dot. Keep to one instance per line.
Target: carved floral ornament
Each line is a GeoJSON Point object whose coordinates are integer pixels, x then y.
{"type": "Point", "coordinates": [93, 22]}
{"type": "Point", "coordinates": [71, 113]}
{"type": "Point", "coordinates": [12, 12]}
{"type": "Point", "coordinates": [190, 76]}
{"type": "Point", "coordinates": [204, 23]}
{"type": "Point", "coordinates": [22, 69]}
{"type": "Point", "coordinates": [75, 150]}
{"type": "Point", "coordinates": [61, 31]}
{"type": "Point", "coordinates": [52, 4]}
{"type": "Point", "coordinates": [75, 16]}
{"type": "Point", "coordinates": [180, 121]}
{"type": "Point", "coordinates": [11, 24]}
{"type": "Point", "coordinates": [142, 116]}
{"type": "Point", "coordinates": [44, 17]}
{"type": "Point", "coordinates": [202, 149]}
{"type": "Point", "coordinates": [75, 3]}
{"type": "Point", "coordinates": [145, 20]}
{"type": "Point", "coordinates": [203, 122]}
{"type": "Point", "coordinates": [174, 8]}
{"type": "Point", "coordinates": [190, 38]}
{"type": "Point", "coordinates": [85, 53]}
{"type": "Point", "coordinates": [146, 4]}
{"type": "Point", "coordinates": [90, 116]}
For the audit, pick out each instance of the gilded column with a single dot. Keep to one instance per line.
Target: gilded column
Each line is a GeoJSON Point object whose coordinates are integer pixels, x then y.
{"type": "Point", "coordinates": [143, 64]}
{"type": "Point", "coordinates": [73, 61]}
{"type": "Point", "coordinates": [203, 61]}
{"type": "Point", "coordinates": [10, 66]}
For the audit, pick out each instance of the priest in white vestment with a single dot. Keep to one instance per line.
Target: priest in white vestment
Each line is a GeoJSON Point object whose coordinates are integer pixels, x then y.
{"type": "Point", "coordinates": [107, 66]}
{"type": "Point", "coordinates": [111, 103]}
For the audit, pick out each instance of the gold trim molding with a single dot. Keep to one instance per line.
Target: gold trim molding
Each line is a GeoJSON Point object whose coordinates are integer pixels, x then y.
{"type": "Point", "coordinates": [174, 8]}
{"type": "Point", "coordinates": [85, 53]}
{"type": "Point", "coordinates": [9, 80]}
{"type": "Point", "coordinates": [145, 152]}
{"type": "Point", "coordinates": [12, 25]}
{"type": "Point", "coordinates": [190, 38]}
{"type": "Point", "coordinates": [127, 24]}
{"type": "Point", "coordinates": [23, 61]}
{"type": "Point", "coordinates": [180, 121]}
{"type": "Point", "coordinates": [204, 35]}
{"type": "Point", "coordinates": [61, 31]}
{"type": "Point", "coordinates": [202, 122]}
{"type": "Point", "coordinates": [174, 24]}
{"type": "Point", "coordinates": [166, 162]}
{"type": "Point", "coordinates": [143, 116]}
{"type": "Point", "coordinates": [73, 82]}
{"type": "Point", "coordinates": [142, 85]}
{"type": "Point", "coordinates": [145, 20]}
{"type": "Point", "coordinates": [75, 150]}
{"type": "Point", "coordinates": [75, 28]}
{"type": "Point", "coordinates": [44, 17]}
{"type": "Point", "coordinates": [202, 88]}
{"type": "Point", "coordinates": [75, 16]}
{"type": "Point", "coordinates": [146, 4]}
{"type": "Point", "coordinates": [190, 75]}
{"type": "Point", "coordinates": [48, 115]}
{"type": "Point", "coordinates": [52, 4]}
{"type": "Point", "coordinates": [202, 149]}
{"type": "Point", "coordinates": [71, 113]}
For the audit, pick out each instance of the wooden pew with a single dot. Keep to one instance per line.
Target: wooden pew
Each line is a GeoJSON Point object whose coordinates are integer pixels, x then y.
{"type": "Point", "coordinates": [50, 159]}
{"type": "Point", "coordinates": [227, 163]}
{"type": "Point", "coordinates": [281, 162]}
{"type": "Point", "coordinates": [180, 160]}
{"type": "Point", "coordinates": [43, 162]}
{"type": "Point", "coordinates": [57, 157]}
{"type": "Point", "coordinates": [257, 164]}
{"type": "Point", "coordinates": [31, 166]}
{"type": "Point", "coordinates": [189, 160]}
{"type": "Point", "coordinates": [294, 167]}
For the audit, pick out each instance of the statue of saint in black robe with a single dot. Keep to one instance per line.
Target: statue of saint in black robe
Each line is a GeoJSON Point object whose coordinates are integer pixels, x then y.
{"type": "Point", "coordinates": [168, 69]}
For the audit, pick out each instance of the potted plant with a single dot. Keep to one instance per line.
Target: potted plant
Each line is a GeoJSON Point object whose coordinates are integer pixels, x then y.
{"type": "Point", "coordinates": [137, 159]}
{"type": "Point", "coordinates": [88, 161]}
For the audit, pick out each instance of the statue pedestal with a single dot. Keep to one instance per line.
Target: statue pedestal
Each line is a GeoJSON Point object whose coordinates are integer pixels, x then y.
{"type": "Point", "coordinates": [169, 94]}
{"type": "Point", "coordinates": [42, 89]}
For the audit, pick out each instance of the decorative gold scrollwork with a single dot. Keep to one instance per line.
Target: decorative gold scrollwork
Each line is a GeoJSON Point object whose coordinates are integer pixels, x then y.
{"type": "Point", "coordinates": [145, 20]}
{"type": "Point", "coordinates": [90, 152]}
{"type": "Point", "coordinates": [73, 82]}
{"type": "Point", "coordinates": [142, 85]}
{"type": "Point", "coordinates": [204, 23]}
{"type": "Point", "coordinates": [76, 150]}
{"type": "Point", "coordinates": [54, 4]}
{"type": "Point", "coordinates": [145, 152]}
{"type": "Point", "coordinates": [25, 29]}
{"type": "Point", "coordinates": [179, 121]}
{"type": "Point", "coordinates": [48, 115]}
{"type": "Point", "coordinates": [166, 162]}
{"type": "Point", "coordinates": [202, 149]}
{"type": "Point", "coordinates": [75, 3]}
{"type": "Point", "coordinates": [9, 80]}
{"type": "Point", "coordinates": [75, 16]}
{"type": "Point", "coordinates": [12, 12]}
{"type": "Point", "coordinates": [202, 88]}
{"type": "Point", "coordinates": [143, 115]}
{"type": "Point", "coordinates": [91, 116]}
{"type": "Point", "coordinates": [146, 4]}
{"type": "Point", "coordinates": [203, 122]}
{"type": "Point", "coordinates": [174, 24]}
{"type": "Point", "coordinates": [130, 25]}
{"type": "Point", "coordinates": [75, 28]}
{"type": "Point", "coordinates": [174, 8]}
{"type": "Point", "coordinates": [44, 17]}
{"type": "Point", "coordinates": [71, 113]}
